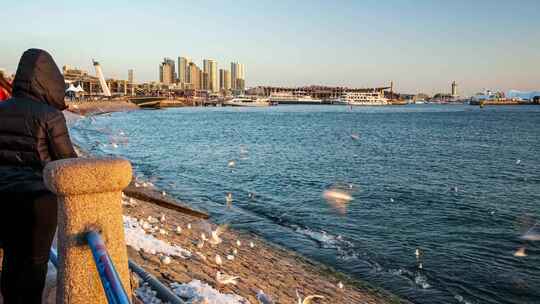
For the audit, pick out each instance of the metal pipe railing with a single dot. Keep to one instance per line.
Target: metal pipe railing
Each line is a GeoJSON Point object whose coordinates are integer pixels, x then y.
{"type": "Point", "coordinates": [162, 292]}
{"type": "Point", "coordinates": [114, 290]}
{"type": "Point", "coordinates": [53, 257]}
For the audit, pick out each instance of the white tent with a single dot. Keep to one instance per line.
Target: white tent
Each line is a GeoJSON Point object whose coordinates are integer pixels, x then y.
{"type": "Point", "coordinates": [71, 89]}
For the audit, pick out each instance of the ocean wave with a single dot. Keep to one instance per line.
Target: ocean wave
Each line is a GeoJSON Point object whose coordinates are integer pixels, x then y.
{"type": "Point", "coordinates": [417, 278]}
{"type": "Point", "coordinates": [345, 249]}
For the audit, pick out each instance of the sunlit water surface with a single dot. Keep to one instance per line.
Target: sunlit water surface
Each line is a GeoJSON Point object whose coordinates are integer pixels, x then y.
{"type": "Point", "coordinates": [459, 183]}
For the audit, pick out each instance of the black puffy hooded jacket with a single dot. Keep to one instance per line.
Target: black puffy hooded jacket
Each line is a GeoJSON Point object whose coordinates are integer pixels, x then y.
{"type": "Point", "coordinates": [33, 129]}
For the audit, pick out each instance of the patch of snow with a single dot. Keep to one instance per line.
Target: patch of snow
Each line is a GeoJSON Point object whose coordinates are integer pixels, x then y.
{"type": "Point", "coordinates": [137, 238]}
{"type": "Point", "coordinates": [197, 290]}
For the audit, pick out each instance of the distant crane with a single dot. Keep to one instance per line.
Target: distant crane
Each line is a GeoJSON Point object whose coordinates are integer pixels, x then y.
{"type": "Point", "coordinates": [99, 74]}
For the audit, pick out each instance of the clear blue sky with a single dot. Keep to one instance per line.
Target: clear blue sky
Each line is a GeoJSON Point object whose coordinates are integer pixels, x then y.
{"type": "Point", "coordinates": [421, 45]}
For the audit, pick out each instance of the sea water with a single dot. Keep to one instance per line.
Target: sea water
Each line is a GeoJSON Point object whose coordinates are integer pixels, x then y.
{"type": "Point", "coordinates": [440, 195]}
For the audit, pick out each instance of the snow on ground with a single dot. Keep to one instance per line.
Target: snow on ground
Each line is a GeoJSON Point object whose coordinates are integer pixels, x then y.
{"type": "Point", "coordinates": [192, 292]}
{"type": "Point", "coordinates": [203, 293]}
{"type": "Point", "coordinates": [139, 239]}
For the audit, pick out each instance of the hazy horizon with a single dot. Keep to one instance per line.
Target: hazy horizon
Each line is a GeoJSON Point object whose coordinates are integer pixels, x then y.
{"type": "Point", "coordinates": [420, 45]}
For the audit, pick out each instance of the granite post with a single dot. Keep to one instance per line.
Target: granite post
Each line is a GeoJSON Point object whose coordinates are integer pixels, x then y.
{"type": "Point", "coordinates": [89, 197]}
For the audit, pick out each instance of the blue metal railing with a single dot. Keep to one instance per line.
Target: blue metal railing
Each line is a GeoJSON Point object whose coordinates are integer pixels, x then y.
{"type": "Point", "coordinates": [112, 286]}
{"type": "Point", "coordinates": [114, 290]}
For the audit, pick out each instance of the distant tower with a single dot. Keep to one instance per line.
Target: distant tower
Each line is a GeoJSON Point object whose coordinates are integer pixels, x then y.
{"type": "Point", "coordinates": [130, 76]}
{"type": "Point", "coordinates": [99, 74]}
{"type": "Point", "coordinates": [454, 89]}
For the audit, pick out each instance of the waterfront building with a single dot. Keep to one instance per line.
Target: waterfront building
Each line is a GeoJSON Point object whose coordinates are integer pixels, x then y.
{"type": "Point", "coordinates": [167, 74]}
{"type": "Point", "coordinates": [196, 76]}
{"type": "Point", "coordinates": [238, 80]}
{"type": "Point", "coordinates": [210, 75]}
{"type": "Point", "coordinates": [224, 80]}
{"type": "Point", "coordinates": [315, 91]}
{"type": "Point", "coordinates": [91, 84]}
{"type": "Point", "coordinates": [183, 70]}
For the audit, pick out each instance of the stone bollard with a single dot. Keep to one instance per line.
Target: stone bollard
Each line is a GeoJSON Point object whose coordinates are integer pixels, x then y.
{"type": "Point", "coordinates": [89, 197]}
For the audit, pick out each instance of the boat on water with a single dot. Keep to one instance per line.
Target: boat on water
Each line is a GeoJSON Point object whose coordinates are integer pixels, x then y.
{"type": "Point", "coordinates": [375, 98]}
{"type": "Point", "coordinates": [298, 98]}
{"type": "Point", "coordinates": [335, 101]}
{"type": "Point", "coordinates": [243, 101]}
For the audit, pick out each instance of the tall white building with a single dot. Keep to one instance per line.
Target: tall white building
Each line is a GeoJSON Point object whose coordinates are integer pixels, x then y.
{"type": "Point", "coordinates": [210, 73]}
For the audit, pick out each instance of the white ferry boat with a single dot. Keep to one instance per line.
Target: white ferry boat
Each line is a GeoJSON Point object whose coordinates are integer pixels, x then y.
{"type": "Point", "coordinates": [372, 98]}
{"type": "Point", "coordinates": [243, 101]}
{"type": "Point", "coordinates": [293, 98]}
{"type": "Point", "coordinates": [335, 101]}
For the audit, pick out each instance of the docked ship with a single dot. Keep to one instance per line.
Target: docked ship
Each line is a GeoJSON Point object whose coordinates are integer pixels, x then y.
{"type": "Point", "coordinates": [335, 101]}
{"type": "Point", "coordinates": [243, 101]}
{"type": "Point", "coordinates": [371, 98]}
{"type": "Point", "coordinates": [291, 99]}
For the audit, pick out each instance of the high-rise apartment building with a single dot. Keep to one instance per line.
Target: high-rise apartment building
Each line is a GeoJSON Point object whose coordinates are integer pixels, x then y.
{"type": "Point", "coordinates": [183, 70]}
{"type": "Point", "coordinates": [130, 76]}
{"type": "Point", "coordinates": [224, 80]}
{"type": "Point", "coordinates": [238, 78]}
{"type": "Point", "coordinates": [167, 74]}
{"type": "Point", "coordinates": [195, 76]}
{"type": "Point", "coordinates": [210, 78]}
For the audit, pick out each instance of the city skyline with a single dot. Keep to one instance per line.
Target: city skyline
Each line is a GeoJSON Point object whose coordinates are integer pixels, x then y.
{"type": "Point", "coordinates": [421, 46]}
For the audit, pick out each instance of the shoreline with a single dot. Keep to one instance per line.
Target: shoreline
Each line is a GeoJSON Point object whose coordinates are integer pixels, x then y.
{"type": "Point", "coordinates": [277, 271]}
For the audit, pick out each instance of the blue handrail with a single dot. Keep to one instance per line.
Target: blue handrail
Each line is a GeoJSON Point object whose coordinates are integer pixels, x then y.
{"type": "Point", "coordinates": [114, 290]}
{"type": "Point", "coordinates": [53, 256]}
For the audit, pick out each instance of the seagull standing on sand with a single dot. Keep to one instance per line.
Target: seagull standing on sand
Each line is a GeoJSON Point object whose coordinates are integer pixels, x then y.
{"type": "Point", "coordinates": [218, 260]}
{"type": "Point", "coordinates": [225, 279]}
{"type": "Point", "coordinates": [215, 234]}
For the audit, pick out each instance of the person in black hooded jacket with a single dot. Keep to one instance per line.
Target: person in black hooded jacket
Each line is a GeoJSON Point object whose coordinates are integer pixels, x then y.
{"type": "Point", "coordinates": [33, 132]}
